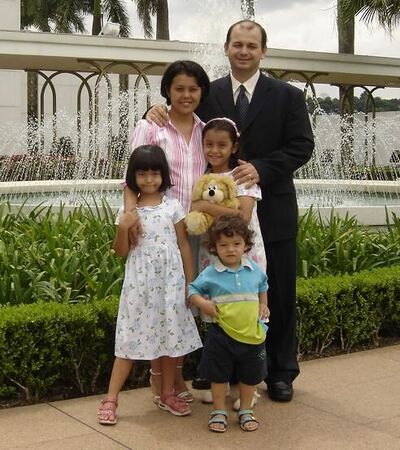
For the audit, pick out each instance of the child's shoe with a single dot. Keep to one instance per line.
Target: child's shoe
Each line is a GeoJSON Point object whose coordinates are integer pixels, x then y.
{"type": "Point", "coordinates": [201, 384]}
{"type": "Point", "coordinates": [208, 398]}
{"type": "Point", "coordinates": [181, 388]}
{"type": "Point", "coordinates": [247, 421]}
{"type": "Point", "coordinates": [106, 414]}
{"type": "Point", "coordinates": [256, 396]}
{"type": "Point", "coordinates": [175, 405]}
{"type": "Point", "coordinates": [187, 396]}
{"type": "Point", "coordinates": [155, 386]}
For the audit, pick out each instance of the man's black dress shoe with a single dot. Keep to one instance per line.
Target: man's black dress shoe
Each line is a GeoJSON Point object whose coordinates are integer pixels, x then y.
{"type": "Point", "coordinates": [201, 384]}
{"type": "Point", "coordinates": [280, 391]}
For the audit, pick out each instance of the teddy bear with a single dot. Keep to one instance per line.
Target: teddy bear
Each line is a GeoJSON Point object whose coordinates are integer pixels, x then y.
{"type": "Point", "coordinates": [214, 188]}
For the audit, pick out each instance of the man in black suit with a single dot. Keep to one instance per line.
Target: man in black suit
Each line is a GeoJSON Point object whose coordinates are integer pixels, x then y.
{"type": "Point", "coordinates": [276, 139]}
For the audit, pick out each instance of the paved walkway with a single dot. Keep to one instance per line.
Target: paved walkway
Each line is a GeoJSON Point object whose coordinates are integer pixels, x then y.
{"type": "Point", "coordinates": [344, 402]}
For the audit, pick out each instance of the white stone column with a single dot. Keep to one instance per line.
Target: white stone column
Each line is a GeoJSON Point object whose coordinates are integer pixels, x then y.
{"type": "Point", "coordinates": [10, 15]}
{"type": "Point", "coordinates": [12, 82]}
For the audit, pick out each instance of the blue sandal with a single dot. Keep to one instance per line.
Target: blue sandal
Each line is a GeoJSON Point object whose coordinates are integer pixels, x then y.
{"type": "Point", "coordinates": [220, 417]}
{"type": "Point", "coordinates": [246, 416]}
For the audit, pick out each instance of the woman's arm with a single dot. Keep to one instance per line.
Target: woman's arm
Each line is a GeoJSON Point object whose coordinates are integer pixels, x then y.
{"type": "Point", "coordinates": [130, 203]}
{"type": "Point", "coordinates": [246, 205]}
{"type": "Point", "coordinates": [130, 199]}
{"type": "Point", "coordinates": [185, 249]}
{"type": "Point", "coordinates": [121, 243]}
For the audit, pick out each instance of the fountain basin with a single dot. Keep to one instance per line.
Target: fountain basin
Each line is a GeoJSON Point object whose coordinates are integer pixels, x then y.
{"type": "Point", "coordinates": [369, 201]}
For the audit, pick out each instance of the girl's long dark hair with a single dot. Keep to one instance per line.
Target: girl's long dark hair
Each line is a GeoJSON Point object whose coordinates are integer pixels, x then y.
{"type": "Point", "coordinates": [225, 125]}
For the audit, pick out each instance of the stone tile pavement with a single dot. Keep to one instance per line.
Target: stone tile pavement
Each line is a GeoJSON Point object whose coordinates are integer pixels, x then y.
{"type": "Point", "coordinates": [344, 402]}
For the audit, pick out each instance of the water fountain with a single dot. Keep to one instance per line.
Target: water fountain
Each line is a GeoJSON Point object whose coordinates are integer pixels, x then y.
{"type": "Point", "coordinates": [67, 156]}
{"type": "Point", "coordinates": [75, 169]}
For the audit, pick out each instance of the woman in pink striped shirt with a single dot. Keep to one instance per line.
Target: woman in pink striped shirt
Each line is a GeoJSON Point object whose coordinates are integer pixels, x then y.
{"type": "Point", "coordinates": [183, 85]}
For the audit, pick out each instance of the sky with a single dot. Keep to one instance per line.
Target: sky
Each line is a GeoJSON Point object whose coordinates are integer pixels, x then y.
{"type": "Point", "coordinates": [290, 24]}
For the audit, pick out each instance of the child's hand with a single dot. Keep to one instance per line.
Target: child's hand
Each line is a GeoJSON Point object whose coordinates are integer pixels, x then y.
{"type": "Point", "coordinates": [263, 311]}
{"type": "Point", "coordinates": [129, 219]}
{"type": "Point", "coordinates": [199, 205]}
{"type": "Point", "coordinates": [134, 232]}
{"type": "Point", "coordinates": [209, 308]}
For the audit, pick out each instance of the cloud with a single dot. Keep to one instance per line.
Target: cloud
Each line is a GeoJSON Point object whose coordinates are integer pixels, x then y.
{"type": "Point", "coordinates": [290, 24]}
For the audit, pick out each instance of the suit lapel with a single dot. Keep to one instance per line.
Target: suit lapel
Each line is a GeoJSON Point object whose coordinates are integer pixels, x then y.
{"type": "Point", "coordinates": [258, 100]}
{"type": "Point", "coordinates": [224, 97]}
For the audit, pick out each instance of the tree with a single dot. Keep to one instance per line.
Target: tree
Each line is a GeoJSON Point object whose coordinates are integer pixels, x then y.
{"type": "Point", "coordinates": [110, 10]}
{"type": "Point", "coordinates": [386, 12]}
{"type": "Point", "coordinates": [146, 9]}
{"type": "Point", "coordinates": [61, 16]}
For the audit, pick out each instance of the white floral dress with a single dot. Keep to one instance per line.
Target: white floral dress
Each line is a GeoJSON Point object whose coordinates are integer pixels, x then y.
{"type": "Point", "coordinates": [257, 253]}
{"type": "Point", "coordinates": [153, 319]}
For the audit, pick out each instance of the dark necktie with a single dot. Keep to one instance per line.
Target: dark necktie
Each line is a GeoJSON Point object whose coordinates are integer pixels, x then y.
{"type": "Point", "coordinates": [242, 105]}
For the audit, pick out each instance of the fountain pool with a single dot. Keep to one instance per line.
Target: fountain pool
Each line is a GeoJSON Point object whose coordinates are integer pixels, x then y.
{"type": "Point", "coordinates": [369, 201]}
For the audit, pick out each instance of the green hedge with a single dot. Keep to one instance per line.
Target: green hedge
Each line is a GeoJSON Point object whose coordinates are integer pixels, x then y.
{"type": "Point", "coordinates": [48, 348]}
{"type": "Point", "coordinates": [47, 345]}
{"type": "Point", "coordinates": [347, 310]}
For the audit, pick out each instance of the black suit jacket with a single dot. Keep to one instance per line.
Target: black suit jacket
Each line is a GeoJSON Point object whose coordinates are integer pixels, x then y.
{"type": "Point", "coordinates": [276, 138]}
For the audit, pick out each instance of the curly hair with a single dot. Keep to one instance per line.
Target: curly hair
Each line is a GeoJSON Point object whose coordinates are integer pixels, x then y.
{"type": "Point", "coordinates": [228, 225]}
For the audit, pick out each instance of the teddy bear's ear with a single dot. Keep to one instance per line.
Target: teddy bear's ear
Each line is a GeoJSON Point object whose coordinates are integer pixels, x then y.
{"type": "Point", "coordinates": [199, 187]}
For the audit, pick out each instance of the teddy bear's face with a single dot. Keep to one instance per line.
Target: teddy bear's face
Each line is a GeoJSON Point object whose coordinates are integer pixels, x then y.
{"type": "Point", "coordinates": [215, 192]}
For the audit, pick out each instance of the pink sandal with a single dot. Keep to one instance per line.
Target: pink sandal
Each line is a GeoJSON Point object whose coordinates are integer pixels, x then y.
{"type": "Point", "coordinates": [174, 405]}
{"type": "Point", "coordinates": [187, 396]}
{"type": "Point", "coordinates": [155, 387]}
{"type": "Point", "coordinates": [106, 414]}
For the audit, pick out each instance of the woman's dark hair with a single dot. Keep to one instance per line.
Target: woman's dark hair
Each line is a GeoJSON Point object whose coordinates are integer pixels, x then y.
{"type": "Point", "coordinates": [228, 226]}
{"type": "Point", "coordinates": [189, 68]}
{"type": "Point", "coordinates": [148, 157]}
{"type": "Point", "coordinates": [225, 125]}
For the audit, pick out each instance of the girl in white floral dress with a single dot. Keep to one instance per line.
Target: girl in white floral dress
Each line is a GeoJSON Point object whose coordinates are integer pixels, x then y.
{"type": "Point", "coordinates": [153, 319]}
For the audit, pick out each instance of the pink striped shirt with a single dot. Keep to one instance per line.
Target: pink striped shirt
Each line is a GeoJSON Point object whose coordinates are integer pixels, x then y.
{"type": "Point", "coordinates": [186, 160]}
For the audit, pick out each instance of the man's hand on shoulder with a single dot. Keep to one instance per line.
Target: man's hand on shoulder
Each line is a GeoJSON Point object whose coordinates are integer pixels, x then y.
{"type": "Point", "coordinates": [158, 114]}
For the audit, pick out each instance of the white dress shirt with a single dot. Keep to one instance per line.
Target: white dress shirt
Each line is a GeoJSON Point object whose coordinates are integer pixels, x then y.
{"type": "Point", "coordinates": [249, 84]}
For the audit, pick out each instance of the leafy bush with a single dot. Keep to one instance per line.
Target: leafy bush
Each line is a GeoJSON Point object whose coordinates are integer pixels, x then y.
{"type": "Point", "coordinates": [341, 245]}
{"type": "Point", "coordinates": [47, 255]}
{"type": "Point", "coordinates": [347, 310]}
{"type": "Point", "coordinates": [47, 345]}
{"type": "Point", "coordinates": [51, 348]}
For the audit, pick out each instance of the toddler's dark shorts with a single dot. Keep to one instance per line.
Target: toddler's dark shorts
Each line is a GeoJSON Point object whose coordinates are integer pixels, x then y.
{"type": "Point", "coordinates": [223, 357]}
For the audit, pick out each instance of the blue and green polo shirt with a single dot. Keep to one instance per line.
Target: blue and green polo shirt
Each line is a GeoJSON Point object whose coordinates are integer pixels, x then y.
{"type": "Point", "coordinates": [235, 293]}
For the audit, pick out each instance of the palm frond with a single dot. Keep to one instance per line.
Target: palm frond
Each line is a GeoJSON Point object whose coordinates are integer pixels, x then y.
{"type": "Point", "coordinates": [145, 10]}
{"type": "Point", "coordinates": [385, 12]}
{"type": "Point", "coordinates": [116, 11]}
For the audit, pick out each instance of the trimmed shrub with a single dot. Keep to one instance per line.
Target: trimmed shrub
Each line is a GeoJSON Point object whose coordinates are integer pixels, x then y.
{"type": "Point", "coordinates": [50, 348]}
{"type": "Point", "coordinates": [47, 345]}
{"type": "Point", "coordinates": [348, 310]}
